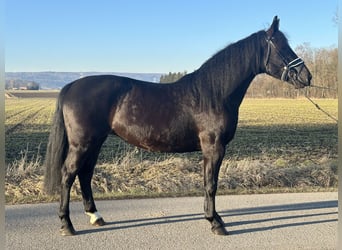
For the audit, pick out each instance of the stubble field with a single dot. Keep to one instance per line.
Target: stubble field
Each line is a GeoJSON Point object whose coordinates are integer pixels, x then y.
{"type": "Point", "coordinates": [281, 145]}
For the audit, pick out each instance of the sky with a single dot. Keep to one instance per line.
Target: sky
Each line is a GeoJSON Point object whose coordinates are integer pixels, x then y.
{"type": "Point", "coordinates": [150, 36]}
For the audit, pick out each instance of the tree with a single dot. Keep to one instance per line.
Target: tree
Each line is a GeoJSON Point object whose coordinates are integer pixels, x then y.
{"type": "Point", "coordinates": [172, 77]}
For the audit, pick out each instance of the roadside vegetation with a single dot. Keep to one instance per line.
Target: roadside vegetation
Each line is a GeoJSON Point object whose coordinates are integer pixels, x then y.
{"type": "Point", "coordinates": [281, 145]}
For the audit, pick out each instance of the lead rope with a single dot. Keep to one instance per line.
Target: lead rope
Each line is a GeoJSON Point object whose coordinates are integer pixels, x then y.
{"type": "Point", "coordinates": [317, 106]}
{"type": "Point", "coordinates": [322, 87]}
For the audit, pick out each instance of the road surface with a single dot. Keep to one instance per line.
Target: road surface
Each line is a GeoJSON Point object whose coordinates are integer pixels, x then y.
{"type": "Point", "coordinates": [272, 221]}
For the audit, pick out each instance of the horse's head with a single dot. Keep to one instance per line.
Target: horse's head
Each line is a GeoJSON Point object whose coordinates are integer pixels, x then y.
{"type": "Point", "coordinates": [281, 61]}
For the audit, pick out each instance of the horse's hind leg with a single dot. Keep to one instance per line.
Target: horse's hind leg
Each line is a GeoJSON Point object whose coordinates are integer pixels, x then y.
{"type": "Point", "coordinates": [71, 166]}
{"type": "Point", "coordinates": [85, 175]}
{"type": "Point", "coordinates": [88, 200]}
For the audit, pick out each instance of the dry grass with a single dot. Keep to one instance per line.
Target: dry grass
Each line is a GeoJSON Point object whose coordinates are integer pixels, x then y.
{"type": "Point", "coordinates": [128, 176]}
{"type": "Point", "coordinates": [23, 179]}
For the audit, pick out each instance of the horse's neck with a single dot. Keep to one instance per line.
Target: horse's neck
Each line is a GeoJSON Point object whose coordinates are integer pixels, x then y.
{"type": "Point", "coordinates": [241, 71]}
{"type": "Point", "coordinates": [235, 98]}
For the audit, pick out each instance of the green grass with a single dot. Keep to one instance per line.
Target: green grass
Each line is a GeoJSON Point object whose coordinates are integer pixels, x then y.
{"type": "Point", "coordinates": [280, 145]}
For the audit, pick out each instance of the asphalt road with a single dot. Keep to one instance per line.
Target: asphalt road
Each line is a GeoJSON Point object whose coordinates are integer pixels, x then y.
{"type": "Point", "coordinates": [273, 221]}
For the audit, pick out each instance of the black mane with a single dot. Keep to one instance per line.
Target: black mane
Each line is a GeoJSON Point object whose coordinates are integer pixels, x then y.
{"type": "Point", "coordinates": [220, 76]}
{"type": "Point", "coordinates": [235, 53]}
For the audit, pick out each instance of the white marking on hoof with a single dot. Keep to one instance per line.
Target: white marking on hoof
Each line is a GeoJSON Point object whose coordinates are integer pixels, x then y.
{"type": "Point", "coordinates": [93, 217]}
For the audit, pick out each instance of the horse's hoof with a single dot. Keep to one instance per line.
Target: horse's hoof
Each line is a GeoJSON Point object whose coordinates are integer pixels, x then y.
{"type": "Point", "coordinates": [99, 222]}
{"type": "Point", "coordinates": [67, 231]}
{"type": "Point", "coordinates": [219, 231]}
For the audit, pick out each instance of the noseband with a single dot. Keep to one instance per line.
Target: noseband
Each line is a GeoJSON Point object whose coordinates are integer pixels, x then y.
{"type": "Point", "coordinates": [288, 66]}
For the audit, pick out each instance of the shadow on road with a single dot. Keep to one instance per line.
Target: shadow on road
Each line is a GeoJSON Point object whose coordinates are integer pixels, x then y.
{"type": "Point", "coordinates": [300, 220]}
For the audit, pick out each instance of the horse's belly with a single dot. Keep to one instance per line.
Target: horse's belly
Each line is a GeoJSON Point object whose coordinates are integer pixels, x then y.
{"type": "Point", "coordinates": [160, 140]}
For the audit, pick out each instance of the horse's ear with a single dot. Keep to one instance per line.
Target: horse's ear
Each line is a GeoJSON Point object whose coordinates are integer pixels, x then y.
{"type": "Point", "coordinates": [274, 27]}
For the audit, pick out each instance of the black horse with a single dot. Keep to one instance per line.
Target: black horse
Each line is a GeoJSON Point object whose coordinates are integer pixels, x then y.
{"type": "Point", "coordinates": [199, 112]}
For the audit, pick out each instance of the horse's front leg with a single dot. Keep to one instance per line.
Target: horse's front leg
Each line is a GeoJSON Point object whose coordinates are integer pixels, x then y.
{"type": "Point", "coordinates": [213, 153]}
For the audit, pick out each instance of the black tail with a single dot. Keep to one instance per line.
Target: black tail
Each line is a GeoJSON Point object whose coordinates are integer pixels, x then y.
{"type": "Point", "coordinates": [57, 149]}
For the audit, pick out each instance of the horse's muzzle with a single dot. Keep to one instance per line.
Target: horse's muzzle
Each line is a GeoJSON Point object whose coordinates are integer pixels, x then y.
{"type": "Point", "coordinates": [298, 75]}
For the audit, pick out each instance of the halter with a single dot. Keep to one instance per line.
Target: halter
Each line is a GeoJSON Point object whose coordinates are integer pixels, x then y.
{"type": "Point", "coordinates": [288, 66]}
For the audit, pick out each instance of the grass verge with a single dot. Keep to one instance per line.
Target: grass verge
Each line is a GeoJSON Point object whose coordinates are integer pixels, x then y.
{"type": "Point", "coordinates": [129, 177]}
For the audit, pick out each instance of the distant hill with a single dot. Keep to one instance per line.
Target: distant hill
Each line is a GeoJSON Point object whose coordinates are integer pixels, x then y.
{"type": "Point", "coordinates": [56, 80]}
